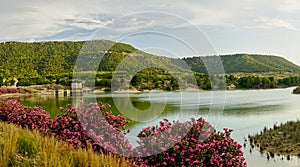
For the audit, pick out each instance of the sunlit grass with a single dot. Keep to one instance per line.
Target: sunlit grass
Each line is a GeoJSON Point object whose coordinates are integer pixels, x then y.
{"type": "Point", "coordinates": [22, 147]}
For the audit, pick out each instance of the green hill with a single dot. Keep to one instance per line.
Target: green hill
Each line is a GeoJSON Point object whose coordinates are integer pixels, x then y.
{"type": "Point", "coordinates": [24, 59]}
{"type": "Point", "coordinates": [245, 63]}
{"type": "Point", "coordinates": [21, 59]}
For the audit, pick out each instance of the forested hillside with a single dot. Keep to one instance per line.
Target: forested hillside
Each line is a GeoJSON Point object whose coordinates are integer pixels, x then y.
{"type": "Point", "coordinates": [54, 62]}
{"type": "Point", "coordinates": [19, 59]}
{"type": "Point", "coordinates": [245, 63]}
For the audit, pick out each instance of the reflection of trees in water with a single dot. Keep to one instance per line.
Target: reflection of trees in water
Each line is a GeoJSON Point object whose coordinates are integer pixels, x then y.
{"type": "Point", "coordinates": [140, 111]}
{"type": "Point", "coordinates": [49, 103]}
{"type": "Point", "coordinates": [141, 105]}
{"type": "Point", "coordinates": [52, 104]}
{"type": "Point", "coordinates": [251, 109]}
{"type": "Point", "coordinates": [148, 111]}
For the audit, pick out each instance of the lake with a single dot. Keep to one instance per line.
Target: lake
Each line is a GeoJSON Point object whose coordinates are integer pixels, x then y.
{"type": "Point", "coordinates": [244, 111]}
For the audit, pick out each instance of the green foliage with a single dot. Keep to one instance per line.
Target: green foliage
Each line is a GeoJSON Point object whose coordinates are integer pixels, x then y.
{"type": "Point", "coordinates": [103, 83]}
{"type": "Point", "coordinates": [255, 82]}
{"type": "Point", "coordinates": [21, 59]}
{"type": "Point", "coordinates": [53, 62]}
{"type": "Point", "coordinates": [244, 63]}
{"type": "Point", "coordinates": [121, 47]}
{"type": "Point", "coordinates": [110, 61]}
{"type": "Point", "coordinates": [27, 146]}
{"type": "Point", "coordinates": [154, 78]}
{"type": "Point", "coordinates": [1, 81]}
{"type": "Point", "coordinates": [289, 81]}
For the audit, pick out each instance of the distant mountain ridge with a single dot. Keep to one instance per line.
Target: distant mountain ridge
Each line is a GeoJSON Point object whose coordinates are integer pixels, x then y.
{"type": "Point", "coordinates": [21, 59]}
{"type": "Point", "coordinates": [245, 63]}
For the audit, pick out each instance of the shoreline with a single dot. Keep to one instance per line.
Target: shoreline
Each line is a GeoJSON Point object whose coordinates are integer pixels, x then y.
{"type": "Point", "coordinates": [36, 90]}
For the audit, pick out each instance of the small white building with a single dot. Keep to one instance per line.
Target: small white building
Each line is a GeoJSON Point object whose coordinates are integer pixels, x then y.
{"type": "Point", "coordinates": [77, 88]}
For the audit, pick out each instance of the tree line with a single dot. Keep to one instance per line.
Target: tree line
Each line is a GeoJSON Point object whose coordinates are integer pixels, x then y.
{"type": "Point", "coordinates": [149, 79]}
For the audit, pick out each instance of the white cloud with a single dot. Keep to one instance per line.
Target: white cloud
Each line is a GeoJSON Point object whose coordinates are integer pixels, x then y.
{"type": "Point", "coordinates": [31, 19]}
{"type": "Point", "coordinates": [232, 25]}
{"type": "Point", "coordinates": [265, 22]}
{"type": "Point", "coordinates": [241, 14]}
{"type": "Point", "coordinates": [131, 23]}
{"type": "Point", "coordinates": [84, 22]}
{"type": "Point", "coordinates": [290, 6]}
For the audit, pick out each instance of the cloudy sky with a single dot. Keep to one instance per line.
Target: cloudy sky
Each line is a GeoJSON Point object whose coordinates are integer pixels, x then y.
{"type": "Point", "coordinates": [173, 28]}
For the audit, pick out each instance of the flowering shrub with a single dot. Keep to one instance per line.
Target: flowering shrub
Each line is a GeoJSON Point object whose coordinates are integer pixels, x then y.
{"type": "Point", "coordinates": [12, 111]}
{"type": "Point", "coordinates": [68, 128]}
{"type": "Point", "coordinates": [107, 130]}
{"type": "Point", "coordinates": [221, 150]}
{"type": "Point", "coordinates": [14, 90]}
{"type": "Point", "coordinates": [7, 107]}
{"type": "Point", "coordinates": [92, 123]}
{"type": "Point", "coordinates": [87, 125]}
{"type": "Point", "coordinates": [201, 146]}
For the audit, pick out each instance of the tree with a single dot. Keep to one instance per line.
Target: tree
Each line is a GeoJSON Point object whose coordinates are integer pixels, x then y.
{"type": "Point", "coordinates": [265, 82]}
{"type": "Point", "coordinates": [1, 81]}
{"type": "Point", "coordinates": [136, 80]}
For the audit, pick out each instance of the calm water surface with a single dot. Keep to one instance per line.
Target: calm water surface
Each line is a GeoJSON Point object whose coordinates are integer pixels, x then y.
{"type": "Point", "coordinates": [245, 111]}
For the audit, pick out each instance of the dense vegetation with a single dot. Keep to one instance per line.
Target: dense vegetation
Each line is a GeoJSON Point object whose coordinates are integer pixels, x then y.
{"type": "Point", "coordinates": [252, 82]}
{"type": "Point", "coordinates": [23, 60]}
{"type": "Point", "coordinates": [53, 63]}
{"type": "Point", "coordinates": [146, 80]}
{"type": "Point", "coordinates": [244, 63]}
{"type": "Point", "coordinates": [282, 139]}
{"type": "Point", "coordinates": [154, 78]}
{"type": "Point", "coordinates": [201, 146]}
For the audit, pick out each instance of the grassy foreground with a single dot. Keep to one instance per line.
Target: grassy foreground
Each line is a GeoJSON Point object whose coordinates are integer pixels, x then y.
{"type": "Point", "coordinates": [22, 147]}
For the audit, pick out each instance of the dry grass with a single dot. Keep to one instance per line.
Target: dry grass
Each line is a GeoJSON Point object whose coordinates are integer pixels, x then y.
{"type": "Point", "coordinates": [21, 147]}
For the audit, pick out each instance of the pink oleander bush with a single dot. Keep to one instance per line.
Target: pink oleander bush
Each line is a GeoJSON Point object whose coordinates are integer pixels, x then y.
{"type": "Point", "coordinates": [201, 146]}
{"type": "Point", "coordinates": [14, 90]}
{"type": "Point", "coordinates": [12, 111]}
{"type": "Point", "coordinates": [68, 128]}
{"type": "Point", "coordinates": [91, 123]}
{"type": "Point", "coordinates": [107, 130]}
{"type": "Point", "coordinates": [191, 143]}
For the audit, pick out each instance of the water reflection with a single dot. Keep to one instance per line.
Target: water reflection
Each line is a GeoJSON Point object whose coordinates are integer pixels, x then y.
{"type": "Point", "coordinates": [50, 103]}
